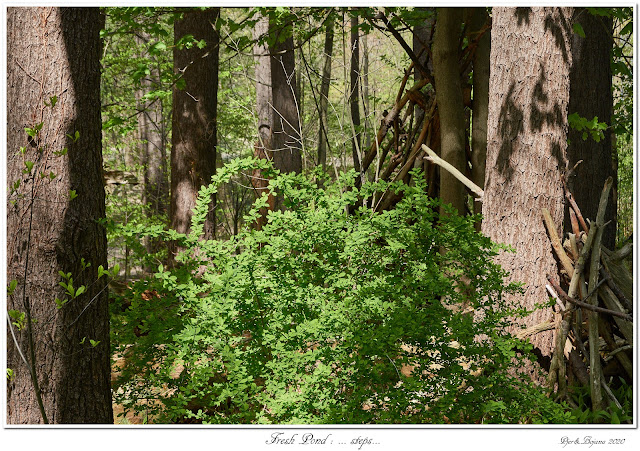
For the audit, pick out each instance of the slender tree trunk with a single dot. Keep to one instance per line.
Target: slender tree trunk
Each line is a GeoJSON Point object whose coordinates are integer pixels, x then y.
{"type": "Point", "coordinates": [151, 138]}
{"type": "Point", "coordinates": [354, 93]}
{"type": "Point", "coordinates": [263, 83]}
{"type": "Point", "coordinates": [591, 96]}
{"type": "Point", "coordinates": [262, 148]}
{"type": "Point", "coordinates": [323, 137]}
{"type": "Point", "coordinates": [194, 129]}
{"type": "Point", "coordinates": [286, 139]}
{"type": "Point", "coordinates": [366, 103]}
{"type": "Point", "coordinates": [527, 146]}
{"type": "Point", "coordinates": [422, 40]}
{"type": "Point", "coordinates": [55, 52]}
{"type": "Point", "coordinates": [450, 103]}
{"type": "Point", "coordinates": [480, 109]}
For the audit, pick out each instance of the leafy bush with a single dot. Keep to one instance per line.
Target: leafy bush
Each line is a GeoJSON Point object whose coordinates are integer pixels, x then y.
{"type": "Point", "coordinates": [327, 317]}
{"type": "Point", "coordinates": [583, 414]}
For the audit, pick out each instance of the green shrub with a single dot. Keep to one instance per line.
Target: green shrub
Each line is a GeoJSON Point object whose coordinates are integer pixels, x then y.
{"type": "Point", "coordinates": [328, 317]}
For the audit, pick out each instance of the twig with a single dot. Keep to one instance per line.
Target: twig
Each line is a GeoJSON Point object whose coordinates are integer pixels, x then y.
{"type": "Point", "coordinates": [585, 305]}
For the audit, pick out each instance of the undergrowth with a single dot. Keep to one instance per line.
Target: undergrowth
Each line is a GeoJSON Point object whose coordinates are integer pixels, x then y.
{"type": "Point", "coordinates": [326, 317]}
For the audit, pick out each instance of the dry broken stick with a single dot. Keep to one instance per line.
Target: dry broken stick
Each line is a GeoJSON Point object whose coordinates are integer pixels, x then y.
{"type": "Point", "coordinates": [434, 158]}
{"type": "Point", "coordinates": [595, 374]}
{"type": "Point", "coordinates": [555, 242]}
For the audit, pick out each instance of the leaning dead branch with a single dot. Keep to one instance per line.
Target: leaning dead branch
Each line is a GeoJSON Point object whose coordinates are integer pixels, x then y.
{"type": "Point", "coordinates": [434, 158]}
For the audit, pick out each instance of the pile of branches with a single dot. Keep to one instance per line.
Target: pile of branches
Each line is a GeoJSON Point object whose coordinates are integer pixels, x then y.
{"type": "Point", "coordinates": [594, 329]}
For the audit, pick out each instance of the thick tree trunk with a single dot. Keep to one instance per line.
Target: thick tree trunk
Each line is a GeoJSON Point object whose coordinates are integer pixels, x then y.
{"type": "Point", "coordinates": [354, 93]}
{"type": "Point", "coordinates": [481, 71]}
{"type": "Point", "coordinates": [55, 52]}
{"type": "Point", "coordinates": [590, 96]}
{"type": "Point", "coordinates": [450, 103]}
{"type": "Point", "coordinates": [323, 137]}
{"type": "Point", "coordinates": [194, 131]}
{"type": "Point", "coordinates": [527, 146]}
{"type": "Point", "coordinates": [285, 138]}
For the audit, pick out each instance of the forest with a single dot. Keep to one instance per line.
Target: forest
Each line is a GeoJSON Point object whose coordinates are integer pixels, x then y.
{"type": "Point", "coordinates": [338, 215]}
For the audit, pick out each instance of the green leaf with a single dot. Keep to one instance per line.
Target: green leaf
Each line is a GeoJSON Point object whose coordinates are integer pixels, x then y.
{"type": "Point", "coordinates": [32, 132]}
{"type": "Point", "coordinates": [18, 318]}
{"type": "Point", "coordinates": [115, 270]}
{"type": "Point", "coordinates": [29, 165]}
{"type": "Point", "coordinates": [94, 343]}
{"type": "Point", "coordinates": [157, 47]}
{"type": "Point", "coordinates": [12, 287]}
{"type": "Point", "coordinates": [80, 290]}
{"type": "Point", "coordinates": [628, 28]}
{"type": "Point", "coordinates": [577, 29]}
{"type": "Point", "coordinates": [83, 340]}
{"type": "Point", "coordinates": [72, 194]}
{"type": "Point", "coordinates": [59, 153]}
{"type": "Point", "coordinates": [614, 418]}
{"type": "Point", "coordinates": [10, 374]}
{"type": "Point", "coordinates": [52, 101]}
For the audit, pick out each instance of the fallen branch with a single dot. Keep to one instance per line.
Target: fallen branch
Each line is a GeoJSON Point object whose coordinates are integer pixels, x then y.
{"type": "Point", "coordinates": [434, 158]}
{"type": "Point", "coordinates": [536, 329]}
{"type": "Point", "coordinates": [555, 242]}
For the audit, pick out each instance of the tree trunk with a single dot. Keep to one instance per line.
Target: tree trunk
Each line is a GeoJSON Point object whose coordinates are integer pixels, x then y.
{"type": "Point", "coordinates": [262, 147]}
{"type": "Point", "coordinates": [55, 52]}
{"type": "Point", "coordinates": [481, 71]}
{"type": "Point", "coordinates": [263, 83]}
{"type": "Point", "coordinates": [527, 146]}
{"type": "Point", "coordinates": [285, 138]}
{"type": "Point", "coordinates": [323, 133]}
{"type": "Point", "coordinates": [151, 138]}
{"type": "Point", "coordinates": [194, 128]}
{"type": "Point", "coordinates": [450, 103]}
{"type": "Point", "coordinates": [590, 96]}
{"type": "Point", "coordinates": [422, 39]}
{"type": "Point", "coordinates": [354, 94]}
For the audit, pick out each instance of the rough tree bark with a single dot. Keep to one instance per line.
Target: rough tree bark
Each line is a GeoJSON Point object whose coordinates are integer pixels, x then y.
{"type": "Point", "coordinates": [55, 52]}
{"type": "Point", "coordinates": [323, 138]}
{"type": "Point", "coordinates": [527, 145]}
{"type": "Point", "coordinates": [450, 103]}
{"type": "Point", "coordinates": [194, 123]}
